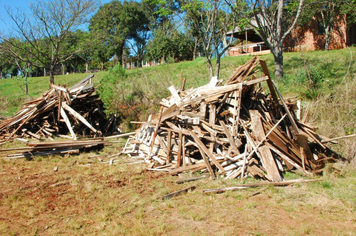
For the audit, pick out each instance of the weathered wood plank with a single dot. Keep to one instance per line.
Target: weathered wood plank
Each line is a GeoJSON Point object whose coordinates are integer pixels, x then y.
{"type": "Point", "coordinates": [266, 154]}
{"type": "Point", "coordinates": [206, 151]}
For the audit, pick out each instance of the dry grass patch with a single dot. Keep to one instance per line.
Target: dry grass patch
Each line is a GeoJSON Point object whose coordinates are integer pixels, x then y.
{"type": "Point", "coordinates": [125, 199]}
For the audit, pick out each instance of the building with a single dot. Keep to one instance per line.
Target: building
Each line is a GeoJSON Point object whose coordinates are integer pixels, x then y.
{"type": "Point", "coordinates": [306, 38]}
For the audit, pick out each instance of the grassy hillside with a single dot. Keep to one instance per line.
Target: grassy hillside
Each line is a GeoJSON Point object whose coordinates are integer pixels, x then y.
{"type": "Point", "coordinates": [330, 67]}
{"type": "Point", "coordinates": [325, 81]}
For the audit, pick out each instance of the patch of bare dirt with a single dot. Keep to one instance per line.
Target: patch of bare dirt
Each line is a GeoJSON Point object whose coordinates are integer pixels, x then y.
{"type": "Point", "coordinates": [35, 199]}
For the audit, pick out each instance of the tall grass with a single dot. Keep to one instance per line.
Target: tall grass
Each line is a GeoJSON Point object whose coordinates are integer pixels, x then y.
{"type": "Point", "coordinates": [335, 115]}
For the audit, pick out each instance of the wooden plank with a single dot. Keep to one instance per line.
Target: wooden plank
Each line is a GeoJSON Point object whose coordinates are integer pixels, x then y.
{"type": "Point", "coordinates": [266, 154]}
{"type": "Point", "coordinates": [59, 88]}
{"type": "Point", "coordinates": [238, 110]}
{"type": "Point", "coordinates": [302, 141]}
{"type": "Point", "coordinates": [269, 81]}
{"type": "Point", "coordinates": [120, 135]}
{"type": "Point", "coordinates": [69, 126]}
{"type": "Point", "coordinates": [288, 159]}
{"type": "Point", "coordinates": [76, 87]}
{"type": "Point", "coordinates": [244, 186]}
{"type": "Point", "coordinates": [229, 137]}
{"type": "Point", "coordinates": [174, 92]}
{"type": "Point", "coordinates": [182, 86]}
{"type": "Point", "coordinates": [188, 168]}
{"type": "Point", "coordinates": [212, 118]}
{"type": "Point", "coordinates": [207, 163]}
{"type": "Point", "coordinates": [291, 119]}
{"type": "Point", "coordinates": [29, 116]}
{"type": "Point", "coordinates": [285, 144]}
{"type": "Point", "coordinates": [177, 193]}
{"type": "Point", "coordinates": [79, 117]}
{"type": "Point", "coordinates": [220, 90]}
{"type": "Point", "coordinates": [179, 154]}
{"type": "Point", "coordinates": [206, 151]}
{"type": "Point", "coordinates": [170, 112]}
{"type": "Point", "coordinates": [337, 138]}
{"type": "Point", "coordinates": [59, 105]}
{"type": "Point", "coordinates": [183, 151]}
{"type": "Point", "coordinates": [169, 146]}
{"type": "Point", "coordinates": [155, 131]}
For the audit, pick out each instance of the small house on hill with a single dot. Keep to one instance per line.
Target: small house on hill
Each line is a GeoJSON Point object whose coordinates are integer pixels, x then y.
{"type": "Point", "coordinates": [307, 38]}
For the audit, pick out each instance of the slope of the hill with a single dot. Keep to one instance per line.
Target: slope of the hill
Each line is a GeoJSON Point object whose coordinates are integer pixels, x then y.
{"type": "Point", "coordinates": [81, 195]}
{"type": "Point", "coordinates": [324, 81]}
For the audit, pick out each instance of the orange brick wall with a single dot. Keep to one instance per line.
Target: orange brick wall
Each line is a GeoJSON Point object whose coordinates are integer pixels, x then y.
{"type": "Point", "coordinates": [309, 38]}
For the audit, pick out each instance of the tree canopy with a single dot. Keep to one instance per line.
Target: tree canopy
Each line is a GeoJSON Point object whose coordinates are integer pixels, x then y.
{"type": "Point", "coordinates": [53, 33]}
{"type": "Point", "coordinates": [43, 32]}
{"type": "Point", "coordinates": [115, 23]}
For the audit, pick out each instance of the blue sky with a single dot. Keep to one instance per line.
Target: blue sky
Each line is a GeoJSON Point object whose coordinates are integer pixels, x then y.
{"type": "Point", "coordinates": [14, 4]}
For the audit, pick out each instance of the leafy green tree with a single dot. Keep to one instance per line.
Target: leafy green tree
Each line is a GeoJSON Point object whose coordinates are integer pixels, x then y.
{"type": "Point", "coordinates": [82, 44]}
{"type": "Point", "coordinates": [327, 13]}
{"type": "Point", "coordinates": [115, 23]}
{"type": "Point", "coordinates": [14, 65]}
{"type": "Point", "coordinates": [274, 19]}
{"type": "Point", "coordinates": [349, 8]}
{"type": "Point", "coordinates": [183, 46]}
{"type": "Point", "coordinates": [160, 47]}
{"type": "Point", "coordinates": [177, 45]}
{"type": "Point", "coordinates": [45, 31]}
{"type": "Point", "coordinates": [163, 15]}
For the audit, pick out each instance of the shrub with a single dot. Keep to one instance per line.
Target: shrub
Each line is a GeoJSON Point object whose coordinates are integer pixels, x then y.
{"type": "Point", "coordinates": [110, 87]}
{"type": "Point", "coordinates": [123, 97]}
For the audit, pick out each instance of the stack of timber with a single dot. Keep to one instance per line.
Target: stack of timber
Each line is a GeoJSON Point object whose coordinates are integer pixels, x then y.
{"type": "Point", "coordinates": [77, 110]}
{"type": "Point", "coordinates": [233, 130]}
{"type": "Point", "coordinates": [54, 148]}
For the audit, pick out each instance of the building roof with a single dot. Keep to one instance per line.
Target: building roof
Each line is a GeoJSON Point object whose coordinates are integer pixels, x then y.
{"type": "Point", "coordinates": [253, 24]}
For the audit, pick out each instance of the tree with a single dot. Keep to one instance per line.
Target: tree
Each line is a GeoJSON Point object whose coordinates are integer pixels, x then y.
{"type": "Point", "coordinates": [117, 22]}
{"type": "Point", "coordinates": [327, 13]}
{"type": "Point", "coordinates": [45, 31]}
{"type": "Point", "coordinates": [275, 20]}
{"type": "Point", "coordinates": [176, 45]}
{"type": "Point", "coordinates": [83, 43]}
{"type": "Point", "coordinates": [210, 21]}
{"type": "Point", "coordinates": [14, 65]}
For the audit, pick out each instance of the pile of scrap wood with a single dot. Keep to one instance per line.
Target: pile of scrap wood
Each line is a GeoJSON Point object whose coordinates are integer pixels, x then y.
{"type": "Point", "coordinates": [60, 110]}
{"type": "Point", "coordinates": [53, 148]}
{"type": "Point", "coordinates": [232, 129]}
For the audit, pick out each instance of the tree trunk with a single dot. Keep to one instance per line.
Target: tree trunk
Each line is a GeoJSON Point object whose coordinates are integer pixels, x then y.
{"type": "Point", "coordinates": [86, 67]}
{"type": "Point", "coordinates": [210, 67]}
{"type": "Point", "coordinates": [26, 85]}
{"type": "Point", "coordinates": [217, 66]}
{"type": "Point", "coordinates": [278, 61]}
{"type": "Point", "coordinates": [327, 38]}
{"type": "Point", "coordinates": [195, 47]}
{"type": "Point", "coordinates": [51, 75]}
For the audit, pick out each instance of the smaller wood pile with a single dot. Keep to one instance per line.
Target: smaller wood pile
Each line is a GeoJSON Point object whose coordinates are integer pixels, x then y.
{"type": "Point", "coordinates": [54, 148]}
{"type": "Point", "coordinates": [233, 130]}
{"type": "Point", "coordinates": [60, 110]}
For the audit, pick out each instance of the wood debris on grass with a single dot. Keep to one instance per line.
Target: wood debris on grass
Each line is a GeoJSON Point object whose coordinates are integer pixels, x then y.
{"type": "Point", "coordinates": [53, 148]}
{"type": "Point", "coordinates": [232, 129]}
{"type": "Point", "coordinates": [77, 110]}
